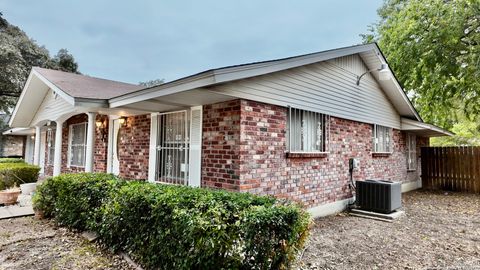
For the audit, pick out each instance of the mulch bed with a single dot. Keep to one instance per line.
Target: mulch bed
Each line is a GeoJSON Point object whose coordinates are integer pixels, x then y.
{"type": "Point", "coordinates": [27, 243]}
{"type": "Point", "coordinates": [441, 230]}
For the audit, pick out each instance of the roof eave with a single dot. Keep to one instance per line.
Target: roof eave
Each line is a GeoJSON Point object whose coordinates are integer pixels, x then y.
{"type": "Point", "coordinates": [398, 85]}
{"type": "Point", "coordinates": [227, 74]}
{"type": "Point", "coordinates": [424, 126]}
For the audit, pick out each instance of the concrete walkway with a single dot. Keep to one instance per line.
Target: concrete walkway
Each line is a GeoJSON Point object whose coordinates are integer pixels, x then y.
{"type": "Point", "coordinates": [21, 209]}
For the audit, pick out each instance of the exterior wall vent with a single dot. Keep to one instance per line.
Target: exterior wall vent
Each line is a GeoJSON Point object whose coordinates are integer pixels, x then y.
{"type": "Point", "coordinates": [379, 195]}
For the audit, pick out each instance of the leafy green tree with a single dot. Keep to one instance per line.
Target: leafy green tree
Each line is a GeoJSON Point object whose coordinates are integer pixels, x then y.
{"type": "Point", "coordinates": [467, 132]}
{"type": "Point", "coordinates": [65, 61]}
{"type": "Point", "coordinates": [434, 48]}
{"type": "Point", "coordinates": [18, 54]}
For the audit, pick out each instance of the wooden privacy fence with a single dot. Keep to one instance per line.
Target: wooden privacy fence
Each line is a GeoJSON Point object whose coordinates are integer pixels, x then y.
{"type": "Point", "coordinates": [451, 168]}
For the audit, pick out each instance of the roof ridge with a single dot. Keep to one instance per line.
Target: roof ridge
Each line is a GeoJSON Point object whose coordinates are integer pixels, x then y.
{"type": "Point", "coordinates": [83, 75]}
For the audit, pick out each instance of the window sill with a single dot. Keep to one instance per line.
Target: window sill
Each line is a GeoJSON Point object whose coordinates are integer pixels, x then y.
{"type": "Point", "coordinates": [76, 166]}
{"type": "Point", "coordinates": [381, 154]}
{"type": "Point", "coordinates": [306, 155]}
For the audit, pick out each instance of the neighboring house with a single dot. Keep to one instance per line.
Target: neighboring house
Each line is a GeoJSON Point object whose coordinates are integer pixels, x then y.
{"type": "Point", "coordinates": [285, 127]}
{"type": "Point", "coordinates": [11, 145]}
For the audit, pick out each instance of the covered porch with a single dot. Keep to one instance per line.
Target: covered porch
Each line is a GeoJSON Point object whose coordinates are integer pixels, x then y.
{"type": "Point", "coordinates": [67, 120]}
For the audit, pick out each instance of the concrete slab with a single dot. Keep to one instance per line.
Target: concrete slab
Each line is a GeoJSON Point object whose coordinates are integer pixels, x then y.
{"type": "Point", "coordinates": [15, 211]}
{"type": "Point", "coordinates": [378, 216]}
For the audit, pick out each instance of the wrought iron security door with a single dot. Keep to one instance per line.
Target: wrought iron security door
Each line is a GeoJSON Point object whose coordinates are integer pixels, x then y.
{"type": "Point", "coordinates": [173, 147]}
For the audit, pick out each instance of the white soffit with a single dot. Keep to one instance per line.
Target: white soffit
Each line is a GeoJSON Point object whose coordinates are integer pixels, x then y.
{"type": "Point", "coordinates": [424, 129]}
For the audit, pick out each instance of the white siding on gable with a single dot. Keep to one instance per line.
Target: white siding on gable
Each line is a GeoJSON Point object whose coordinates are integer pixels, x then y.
{"type": "Point", "coordinates": [326, 87]}
{"type": "Point", "coordinates": [52, 107]}
{"type": "Point", "coordinates": [352, 64]}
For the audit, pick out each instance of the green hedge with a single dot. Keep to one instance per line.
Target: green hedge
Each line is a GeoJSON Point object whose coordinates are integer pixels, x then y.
{"type": "Point", "coordinates": [11, 160]}
{"type": "Point", "coordinates": [176, 227]}
{"type": "Point", "coordinates": [15, 174]}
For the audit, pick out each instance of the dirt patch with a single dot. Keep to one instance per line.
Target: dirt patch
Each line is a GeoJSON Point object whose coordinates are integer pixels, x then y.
{"type": "Point", "coordinates": [440, 230]}
{"type": "Point", "coordinates": [26, 243]}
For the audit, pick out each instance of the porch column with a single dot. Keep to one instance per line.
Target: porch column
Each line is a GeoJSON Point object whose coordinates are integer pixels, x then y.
{"type": "Point", "coordinates": [57, 158]}
{"type": "Point", "coordinates": [36, 154]}
{"type": "Point", "coordinates": [90, 142]}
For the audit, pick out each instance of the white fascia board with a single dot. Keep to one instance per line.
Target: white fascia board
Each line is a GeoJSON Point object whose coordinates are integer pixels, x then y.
{"type": "Point", "coordinates": [19, 131]}
{"type": "Point", "coordinates": [20, 99]}
{"type": "Point", "coordinates": [408, 124]}
{"type": "Point", "coordinates": [253, 70]}
{"type": "Point", "coordinates": [397, 85]}
{"type": "Point", "coordinates": [227, 74]}
{"type": "Point", "coordinates": [197, 81]}
{"type": "Point", "coordinates": [54, 88]}
{"type": "Point", "coordinates": [88, 102]}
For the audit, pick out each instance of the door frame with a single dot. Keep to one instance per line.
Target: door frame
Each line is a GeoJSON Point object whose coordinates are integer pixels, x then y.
{"type": "Point", "coordinates": [152, 162]}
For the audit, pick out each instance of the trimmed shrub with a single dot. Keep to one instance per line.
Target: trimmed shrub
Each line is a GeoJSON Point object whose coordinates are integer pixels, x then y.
{"type": "Point", "coordinates": [75, 200]}
{"type": "Point", "coordinates": [11, 160]}
{"type": "Point", "coordinates": [14, 174]}
{"type": "Point", "coordinates": [177, 227]}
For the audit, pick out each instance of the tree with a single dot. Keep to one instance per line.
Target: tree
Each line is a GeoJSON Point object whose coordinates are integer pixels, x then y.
{"type": "Point", "coordinates": [18, 54]}
{"type": "Point", "coordinates": [152, 83]}
{"type": "Point", "coordinates": [64, 61]}
{"type": "Point", "coordinates": [466, 132]}
{"type": "Point", "coordinates": [434, 48]}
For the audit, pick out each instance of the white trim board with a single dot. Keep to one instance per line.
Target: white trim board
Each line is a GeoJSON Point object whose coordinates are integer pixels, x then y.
{"type": "Point", "coordinates": [330, 208]}
{"type": "Point", "coordinates": [409, 186]}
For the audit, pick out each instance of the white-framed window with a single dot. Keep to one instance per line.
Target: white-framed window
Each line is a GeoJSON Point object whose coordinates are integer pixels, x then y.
{"type": "Point", "coordinates": [77, 144]}
{"type": "Point", "coordinates": [50, 146]}
{"type": "Point", "coordinates": [307, 131]}
{"type": "Point", "coordinates": [382, 139]}
{"type": "Point", "coordinates": [411, 152]}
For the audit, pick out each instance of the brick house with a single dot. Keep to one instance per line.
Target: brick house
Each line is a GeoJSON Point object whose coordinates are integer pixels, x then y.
{"type": "Point", "coordinates": [285, 127]}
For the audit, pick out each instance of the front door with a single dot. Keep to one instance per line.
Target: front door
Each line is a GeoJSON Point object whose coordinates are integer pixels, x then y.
{"type": "Point", "coordinates": [173, 148]}
{"type": "Point", "coordinates": [115, 144]}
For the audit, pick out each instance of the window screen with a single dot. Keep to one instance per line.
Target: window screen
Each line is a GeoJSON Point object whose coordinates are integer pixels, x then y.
{"type": "Point", "coordinates": [306, 131]}
{"type": "Point", "coordinates": [382, 139]}
{"type": "Point", "coordinates": [77, 144]}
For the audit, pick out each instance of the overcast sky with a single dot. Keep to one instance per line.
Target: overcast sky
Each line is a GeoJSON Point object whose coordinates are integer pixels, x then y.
{"type": "Point", "coordinates": [141, 40]}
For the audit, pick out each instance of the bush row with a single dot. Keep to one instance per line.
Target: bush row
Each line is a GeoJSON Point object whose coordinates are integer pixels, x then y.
{"type": "Point", "coordinates": [11, 160]}
{"type": "Point", "coordinates": [15, 174]}
{"type": "Point", "coordinates": [177, 227]}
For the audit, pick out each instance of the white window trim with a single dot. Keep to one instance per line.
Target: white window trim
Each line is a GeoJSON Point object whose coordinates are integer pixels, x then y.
{"type": "Point", "coordinates": [375, 141]}
{"type": "Point", "coordinates": [70, 137]}
{"type": "Point", "coordinates": [411, 151]}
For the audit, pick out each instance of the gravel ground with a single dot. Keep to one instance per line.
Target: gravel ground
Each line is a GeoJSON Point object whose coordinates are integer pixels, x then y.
{"type": "Point", "coordinates": [440, 231]}
{"type": "Point", "coordinates": [27, 243]}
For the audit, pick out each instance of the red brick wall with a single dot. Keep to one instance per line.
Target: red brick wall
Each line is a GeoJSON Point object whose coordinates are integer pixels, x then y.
{"type": "Point", "coordinates": [134, 147]}
{"type": "Point", "coordinates": [262, 166]}
{"type": "Point", "coordinates": [220, 145]}
{"type": "Point", "coordinates": [100, 154]}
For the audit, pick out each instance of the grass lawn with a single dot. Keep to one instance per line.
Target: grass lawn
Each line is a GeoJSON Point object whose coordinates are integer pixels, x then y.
{"type": "Point", "coordinates": [440, 230]}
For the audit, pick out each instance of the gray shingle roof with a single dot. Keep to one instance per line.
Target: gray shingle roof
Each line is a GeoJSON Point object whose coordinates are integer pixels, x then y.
{"type": "Point", "coordinates": [81, 86]}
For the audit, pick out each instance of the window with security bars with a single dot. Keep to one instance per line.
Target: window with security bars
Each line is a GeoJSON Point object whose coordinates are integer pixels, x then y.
{"type": "Point", "coordinates": [77, 144]}
{"type": "Point", "coordinates": [50, 146]}
{"type": "Point", "coordinates": [411, 152]}
{"type": "Point", "coordinates": [382, 139]}
{"type": "Point", "coordinates": [307, 131]}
